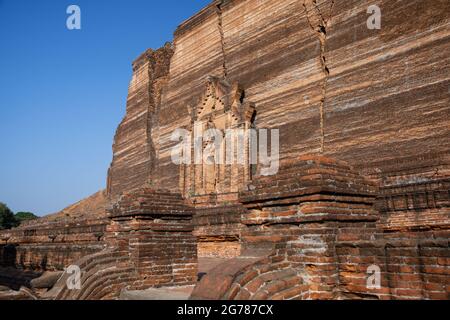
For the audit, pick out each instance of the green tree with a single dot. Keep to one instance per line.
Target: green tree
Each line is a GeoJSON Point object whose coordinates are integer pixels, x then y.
{"type": "Point", "coordinates": [7, 218]}
{"type": "Point", "coordinates": [24, 216]}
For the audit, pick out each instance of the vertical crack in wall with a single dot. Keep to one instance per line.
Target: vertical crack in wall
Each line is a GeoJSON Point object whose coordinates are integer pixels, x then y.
{"type": "Point", "coordinates": [222, 36]}
{"type": "Point", "coordinates": [319, 23]}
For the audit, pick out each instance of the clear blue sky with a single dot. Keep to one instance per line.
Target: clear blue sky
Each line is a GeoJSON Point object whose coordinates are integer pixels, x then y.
{"type": "Point", "coordinates": [63, 93]}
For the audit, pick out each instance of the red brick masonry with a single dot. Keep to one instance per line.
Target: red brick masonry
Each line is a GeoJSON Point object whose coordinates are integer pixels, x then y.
{"type": "Point", "coordinates": [317, 221]}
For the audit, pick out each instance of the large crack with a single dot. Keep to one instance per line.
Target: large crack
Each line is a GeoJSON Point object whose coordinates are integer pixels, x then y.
{"type": "Point", "coordinates": [219, 12]}
{"type": "Point", "coordinates": [319, 23]}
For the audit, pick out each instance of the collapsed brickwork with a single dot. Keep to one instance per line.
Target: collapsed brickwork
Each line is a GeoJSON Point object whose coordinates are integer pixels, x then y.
{"type": "Point", "coordinates": [365, 162]}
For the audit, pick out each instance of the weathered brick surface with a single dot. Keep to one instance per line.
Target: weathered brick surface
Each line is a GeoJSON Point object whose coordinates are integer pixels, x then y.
{"type": "Point", "coordinates": [414, 265]}
{"type": "Point", "coordinates": [218, 230]}
{"type": "Point", "coordinates": [350, 106]}
{"type": "Point", "coordinates": [14, 278]}
{"type": "Point", "coordinates": [51, 245]}
{"type": "Point", "coordinates": [150, 244]}
{"type": "Point", "coordinates": [324, 252]}
{"type": "Point", "coordinates": [55, 241]}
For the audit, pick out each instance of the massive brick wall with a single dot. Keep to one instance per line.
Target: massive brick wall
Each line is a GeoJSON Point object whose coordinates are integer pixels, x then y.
{"type": "Point", "coordinates": [149, 244]}
{"type": "Point", "coordinates": [105, 273]}
{"type": "Point", "coordinates": [155, 227]}
{"type": "Point", "coordinates": [375, 98]}
{"type": "Point", "coordinates": [408, 201]}
{"type": "Point", "coordinates": [313, 232]}
{"type": "Point", "coordinates": [297, 217]}
{"type": "Point", "coordinates": [313, 70]}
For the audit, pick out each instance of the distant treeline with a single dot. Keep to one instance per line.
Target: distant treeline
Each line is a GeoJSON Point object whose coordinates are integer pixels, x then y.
{"type": "Point", "coordinates": [9, 220]}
